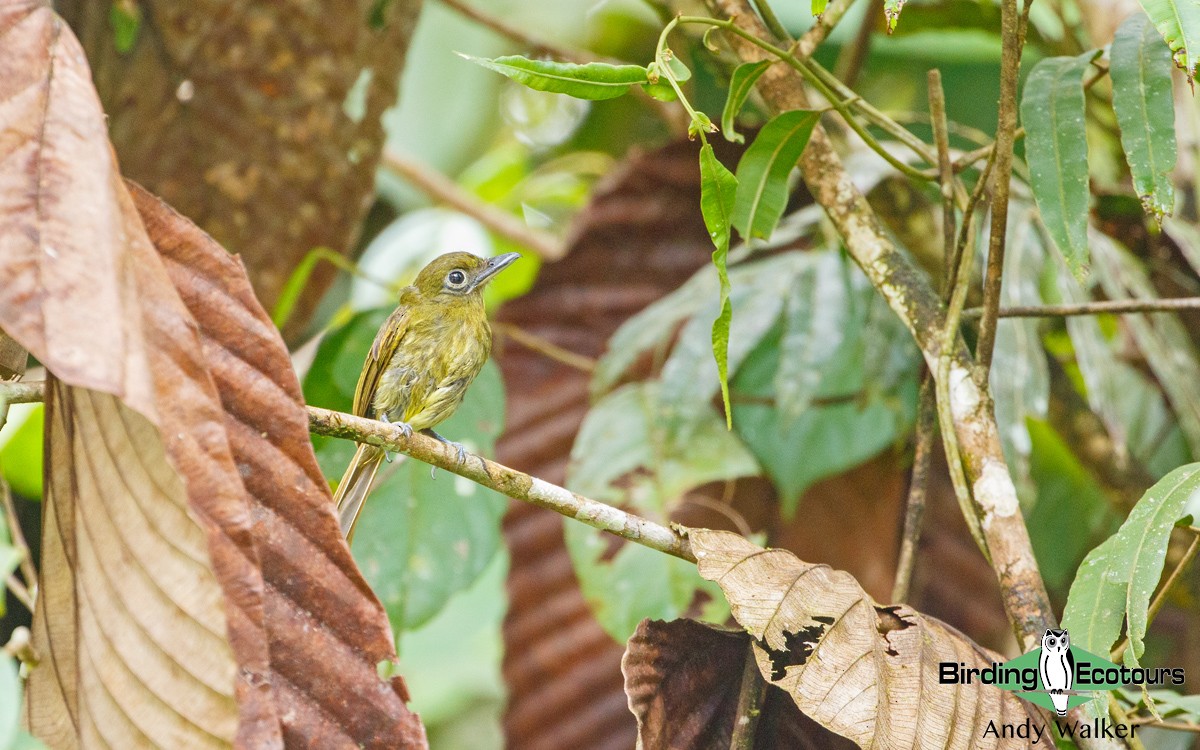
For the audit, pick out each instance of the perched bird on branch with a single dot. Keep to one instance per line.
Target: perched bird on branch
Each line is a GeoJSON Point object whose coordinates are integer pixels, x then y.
{"type": "Point", "coordinates": [425, 355]}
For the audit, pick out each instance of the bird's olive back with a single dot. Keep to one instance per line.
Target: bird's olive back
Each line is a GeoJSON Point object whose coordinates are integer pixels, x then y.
{"type": "Point", "coordinates": [452, 273]}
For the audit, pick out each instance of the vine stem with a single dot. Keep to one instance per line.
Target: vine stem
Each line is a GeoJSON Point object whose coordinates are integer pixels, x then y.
{"type": "Point", "coordinates": [749, 705]}
{"type": "Point", "coordinates": [1012, 35]}
{"type": "Point", "coordinates": [1114, 307]}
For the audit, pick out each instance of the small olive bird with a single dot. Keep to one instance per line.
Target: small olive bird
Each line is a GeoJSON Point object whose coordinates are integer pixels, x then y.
{"type": "Point", "coordinates": [425, 355]}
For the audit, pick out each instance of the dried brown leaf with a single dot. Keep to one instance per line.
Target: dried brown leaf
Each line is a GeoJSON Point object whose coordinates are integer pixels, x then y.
{"type": "Point", "coordinates": [865, 671]}
{"type": "Point", "coordinates": [326, 630]}
{"type": "Point", "coordinates": [683, 680]}
{"type": "Point", "coordinates": [196, 591]}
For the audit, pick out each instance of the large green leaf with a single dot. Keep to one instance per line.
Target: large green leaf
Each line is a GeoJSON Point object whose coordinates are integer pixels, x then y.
{"type": "Point", "coordinates": [718, 187]}
{"type": "Point", "coordinates": [866, 400]}
{"type": "Point", "coordinates": [422, 539]}
{"type": "Point", "coordinates": [1145, 109]}
{"type": "Point", "coordinates": [626, 455]}
{"type": "Point", "coordinates": [815, 320]}
{"type": "Point", "coordinates": [690, 377]}
{"type": "Point", "coordinates": [1116, 580]}
{"type": "Point", "coordinates": [763, 172]}
{"type": "Point", "coordinates": [590, 81]}
{"type": "Point", "coordinates": [741, 83]}
{"type": "Point", "coordinates": [1179, 23]}
{"type": "Point", "coordinates": [1052, 111]}
{"type": "Point", "coordinates": [1161, 338]}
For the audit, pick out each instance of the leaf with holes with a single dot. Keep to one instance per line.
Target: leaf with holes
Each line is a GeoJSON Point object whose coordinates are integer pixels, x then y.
{"type": "Point", "coordinates": [1052, 112]}
{"type": "Point", "coordinates": [762, 173]}
{"type": "Point", "coordinates": [595, 81]}
{"type": "Point", "coordinates": [1145, 108]}
{"type": "Point", "coordinates": [873, 660]}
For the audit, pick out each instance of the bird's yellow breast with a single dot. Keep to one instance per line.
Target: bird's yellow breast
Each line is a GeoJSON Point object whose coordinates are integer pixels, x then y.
{"type": "Point", "coordinates": [431, 368]}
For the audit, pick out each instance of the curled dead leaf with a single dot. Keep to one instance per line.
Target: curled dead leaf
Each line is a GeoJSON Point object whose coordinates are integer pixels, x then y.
{"type": "Point", "coordinates": [864, 671]}
{"type": "Point", "coordinates": [683, 680]}
{"type": "Point", "coordinates": [196, 591]}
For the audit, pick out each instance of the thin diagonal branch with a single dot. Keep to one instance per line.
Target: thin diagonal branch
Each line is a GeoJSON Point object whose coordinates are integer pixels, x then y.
{"type": "Point", "coordinates": [443, 190]}
{"type": "Point", "coordinates": [506, 481]}
{"type": "Point", "coordinates": [1115, 307]}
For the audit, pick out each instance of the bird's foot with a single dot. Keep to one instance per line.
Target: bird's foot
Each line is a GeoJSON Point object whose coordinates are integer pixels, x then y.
{"type": "Point", "coordinates": [459, 448]}
{"type": "Point", "coordinates": [405, 429]}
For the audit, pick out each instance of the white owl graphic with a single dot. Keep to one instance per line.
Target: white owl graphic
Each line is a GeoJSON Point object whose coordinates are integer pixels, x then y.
{"type": "Point", "coordinates": [1057, 668]}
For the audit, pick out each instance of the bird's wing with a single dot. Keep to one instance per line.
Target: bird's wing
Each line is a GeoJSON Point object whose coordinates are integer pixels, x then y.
{"type": "Point", "coordinates": [391, 333]}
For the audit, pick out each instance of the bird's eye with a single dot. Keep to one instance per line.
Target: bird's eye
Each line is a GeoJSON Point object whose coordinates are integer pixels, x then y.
{"type": "Point", "coordinates": [456, 278]}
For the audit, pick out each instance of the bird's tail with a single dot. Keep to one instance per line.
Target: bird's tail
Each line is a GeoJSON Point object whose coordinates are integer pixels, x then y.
{"type": "Point", "coordinates": [356, 483]}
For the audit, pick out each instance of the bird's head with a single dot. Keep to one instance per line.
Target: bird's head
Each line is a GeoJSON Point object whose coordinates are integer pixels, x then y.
{"type": "Point", "coordinates": [459, 274]}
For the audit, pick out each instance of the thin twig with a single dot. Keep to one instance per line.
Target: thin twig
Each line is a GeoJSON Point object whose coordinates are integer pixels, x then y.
{"type": "Point", "coordinates": [20, 592]}
{"type": "Point", "coordinates": [853, 56]}
{"type": "Point", "coordinates": [941, 139]}
{"type": "Point", "coordinates": [914, 509]}
{"type": "Point", "coordinates": [749, 705]}
{"type": "Point", "coordinates": [28, 570]}
{"type": "Point", "coordinates": [546, 348]}
{"type": "Point", "coordinates": [444, 190]}
{"type": "Point", "coordinates": [506, 481]}
{"type": "Point", "coordinates": [771, 21]}
{"type": "Point", "coordinates": [534, 43]}
{"type": "Point", "coordinates": [1113, 307]}
{"type": "Point", "coordinates": [1012, 34]}
{"type": "Point", "coordinates": [24, 393]}
{"type": "Point", "coordinates": [1161, 597]}
{"type": "Point", "coordinates": [1178, 726]}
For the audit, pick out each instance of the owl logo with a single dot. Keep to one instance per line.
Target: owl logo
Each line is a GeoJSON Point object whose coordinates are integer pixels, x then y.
{"type": "Point", "coordinates": [1057, 668]}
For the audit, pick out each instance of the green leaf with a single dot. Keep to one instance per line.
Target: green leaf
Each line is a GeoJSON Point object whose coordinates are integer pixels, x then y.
{"type": "Point", "coordinates": [125, 18]}
{"type": "Point", "coordinates": [762, 173]}
{"type": "Point", "coordinates": [740, 85]}
{"type": "Point", "coordinates": [689, 376]}
{"type": "Point", "coordinates": [1179, 23]}
{"type": "Point", "coordinates": [1116, 580]}
{"type": "Point", "coordinates": [1161, 338]}
{"type": "Point", "coordinates": [815, 319]}
{"type": "Point", "coordinates": [626, 455]}
{"type": "Point", "coordinates": [12, 737]}
{"type": "Point", "coordinates": [595, 81]}
{"type": "Point", "coordinates": [651, 329]}
{"type": "Point", "coordinates": [868, 390]}
{"type": "Point", "coordinates": [718, 187]}
{"type": "Point", "coordinates": [891, 13]}
{"type": "Point", "coordinates": [421, 539]}
{"type": "Point", "coordinates": [1052, 111]}
{"type": "Point", "coordinates": [1145, 109]}
{"type": "Point", "coordinates": [818, 7]}
{"type": "Point", "coordinates": [21, 449]}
